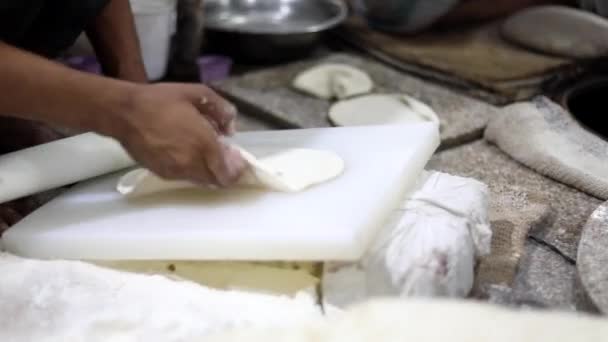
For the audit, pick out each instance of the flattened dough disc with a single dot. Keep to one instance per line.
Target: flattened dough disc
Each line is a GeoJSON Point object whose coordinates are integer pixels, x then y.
{"type": "Point", "coordinates": [381, 109]}
{"type": "Point", "coordinates": [290, 170]}
{"type": "Point", "coordinates": [328, 81]}
{"type": "Point", "coordinates": [559, 30]}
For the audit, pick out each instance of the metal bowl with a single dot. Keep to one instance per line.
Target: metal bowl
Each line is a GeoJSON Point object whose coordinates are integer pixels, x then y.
{"type": "Point", "coordinates": [269, 30]}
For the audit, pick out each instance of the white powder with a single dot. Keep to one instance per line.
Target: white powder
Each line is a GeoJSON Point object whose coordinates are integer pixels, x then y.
{"type": "Point", "coordinates": [75, 301]}
{"type": "Point", "coordinates": [435, 321]}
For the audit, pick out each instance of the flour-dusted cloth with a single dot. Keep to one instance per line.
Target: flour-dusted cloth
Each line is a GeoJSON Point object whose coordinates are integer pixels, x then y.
{"type": "Point", "coordinates": [543, 136]}
{"type": "Point", "coordinates": [75, 301]}
{"type": "Point", "coordinates": [427, 248]}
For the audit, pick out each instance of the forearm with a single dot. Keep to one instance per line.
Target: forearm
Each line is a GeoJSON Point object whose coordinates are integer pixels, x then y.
{"type": "Point", "coordinates": [116, 44]}
{"type": "Point", "coordinates": [38, 89]}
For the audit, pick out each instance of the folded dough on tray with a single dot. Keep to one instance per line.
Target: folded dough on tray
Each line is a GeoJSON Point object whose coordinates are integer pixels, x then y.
{"type": "Point", "coordinates": [289, 170]}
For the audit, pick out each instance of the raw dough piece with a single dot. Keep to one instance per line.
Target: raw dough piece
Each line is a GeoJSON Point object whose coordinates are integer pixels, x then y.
{"type": "Point", "coordinates": [290, 170]}
{"type": "Point", "coordinates": [559, 30]}
{"type": "Point", "coordinates": [330, 81]}
{"type": "Point", "coordinates": [381, 109]}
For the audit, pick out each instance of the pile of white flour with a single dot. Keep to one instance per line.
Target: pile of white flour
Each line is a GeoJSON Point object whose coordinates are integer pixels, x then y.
{"type": "Point", "coordinates": [75, 301]}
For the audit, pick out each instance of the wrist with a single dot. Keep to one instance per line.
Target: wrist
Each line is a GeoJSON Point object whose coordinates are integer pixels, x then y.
{"type": "Point", "coordinates": [132, 71]}
{"type": "Point", "coordinates": [113, 118]}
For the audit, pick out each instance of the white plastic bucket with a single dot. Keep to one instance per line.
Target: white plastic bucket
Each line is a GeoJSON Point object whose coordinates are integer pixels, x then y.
{"type": "Point", "coordinates": [155, 22]}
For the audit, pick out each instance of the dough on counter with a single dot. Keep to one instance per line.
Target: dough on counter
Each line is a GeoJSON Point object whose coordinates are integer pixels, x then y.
{"type": "Point", "coordinates": [289, 170]}
{"type": "Point", "coordinates": [328, 81]}
{"type": "Point", "coordinates": [381, 109]}
{"type": "Point", "coordinates": [559, 30]}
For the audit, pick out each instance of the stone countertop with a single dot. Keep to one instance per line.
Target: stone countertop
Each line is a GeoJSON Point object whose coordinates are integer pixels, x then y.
{"type": "Point", "coordinates": [488, 164]}
{"type": "Point", "coordinates": [546, 275]}
{"type": "Point", "coordinates": [268, 94]}
{"type": "Point", "coordinates": [547, 280]}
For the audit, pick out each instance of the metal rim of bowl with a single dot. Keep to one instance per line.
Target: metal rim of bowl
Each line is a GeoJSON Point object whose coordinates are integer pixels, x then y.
{"type": "Point", "coordinates": [331, 23]}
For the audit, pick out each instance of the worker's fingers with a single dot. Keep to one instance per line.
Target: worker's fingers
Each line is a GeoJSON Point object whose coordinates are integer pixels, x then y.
{"type": "Point", "coordinates": [226, 164]}
{"type": "Point", "coordinates": [221, 112]}
{"type": "Point", "coordinates": [214, 162]}
{"type": "Point", "coordinates": [194, 171]}
{"type": "Point", "coordinates": [201, 158]}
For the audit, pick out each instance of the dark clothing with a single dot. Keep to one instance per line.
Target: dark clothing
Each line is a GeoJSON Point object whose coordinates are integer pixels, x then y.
{"type": "Point", "coordinates": [46, 27]}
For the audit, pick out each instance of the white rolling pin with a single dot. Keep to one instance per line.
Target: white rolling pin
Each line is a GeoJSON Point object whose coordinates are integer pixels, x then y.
{"type": "Point", "coordinates": [59, 163]}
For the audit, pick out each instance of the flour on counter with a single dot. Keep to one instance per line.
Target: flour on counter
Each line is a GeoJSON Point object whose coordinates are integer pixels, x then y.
{"type": "Point", "coordinates": [427, 248]}
{"type": "Point", "coordinates": [435, 320]}
{"type": "Point", "coordinates": [76, 301]}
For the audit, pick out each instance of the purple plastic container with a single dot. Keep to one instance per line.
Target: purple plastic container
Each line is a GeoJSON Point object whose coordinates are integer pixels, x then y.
{"type": "Point", "coordinates": [214, 68]}
{"type": "Point", "coordinates": [83, 63]}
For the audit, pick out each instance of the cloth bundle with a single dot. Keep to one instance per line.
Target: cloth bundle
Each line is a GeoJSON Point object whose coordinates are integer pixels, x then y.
{"type": "Point", "coordinates": [543, 136]}
{"type": "Point", "coordinates": [427, 248]}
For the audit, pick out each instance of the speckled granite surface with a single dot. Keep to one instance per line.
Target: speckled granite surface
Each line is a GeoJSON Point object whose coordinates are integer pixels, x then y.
{"type": "Point", "coordinates": [545, 279]}
{"type": "Point", "coordinates": [522, 200]}
{"type": "Point", "coordinates": [268, 94]}
{"type": "Point", "coordinates": [487, 163]}
{"type": "Point", "coordinates": [593, 257]}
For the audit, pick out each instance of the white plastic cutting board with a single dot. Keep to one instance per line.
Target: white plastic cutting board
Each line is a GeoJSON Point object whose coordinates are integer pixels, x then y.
{"type": "Point", "coordinates": [333, 221]}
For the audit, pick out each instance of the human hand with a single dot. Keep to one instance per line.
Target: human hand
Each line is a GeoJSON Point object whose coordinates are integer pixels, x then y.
{"type": "Point", "coordinates": [175, 130]}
